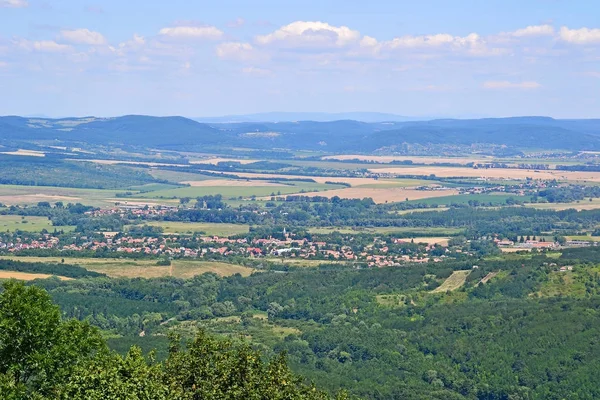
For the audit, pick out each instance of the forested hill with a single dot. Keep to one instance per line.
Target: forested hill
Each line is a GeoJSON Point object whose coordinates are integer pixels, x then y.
{"type": "Point", "coordinates": [178, 133]}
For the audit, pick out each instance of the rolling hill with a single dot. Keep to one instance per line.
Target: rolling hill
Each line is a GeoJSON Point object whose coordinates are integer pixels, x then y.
{"type": "Point", "coordinates": [178, 133]}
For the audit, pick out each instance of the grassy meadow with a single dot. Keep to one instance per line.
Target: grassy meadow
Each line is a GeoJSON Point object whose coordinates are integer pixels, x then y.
{"type": "Point", "coordinates": [12, 223]}
{"type": "Point", "coordinates": [130, 268]}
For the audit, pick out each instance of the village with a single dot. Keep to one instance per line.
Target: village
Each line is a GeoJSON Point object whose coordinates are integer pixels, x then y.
{"type": "Point", "coordinates": [378, 252]}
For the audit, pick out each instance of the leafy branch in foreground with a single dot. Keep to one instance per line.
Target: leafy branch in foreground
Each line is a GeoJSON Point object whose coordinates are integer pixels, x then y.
{"type": "Point", "coordinates": [43, 357]}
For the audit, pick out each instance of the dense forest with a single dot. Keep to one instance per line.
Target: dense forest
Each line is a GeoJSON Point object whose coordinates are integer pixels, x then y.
{"type": "Point", "coordinates": [42, 171]}
{"type": "Point", "coordinates": [513, 330]}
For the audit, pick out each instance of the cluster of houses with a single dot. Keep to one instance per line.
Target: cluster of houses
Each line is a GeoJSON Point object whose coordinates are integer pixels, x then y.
{"type": "Point", "coordinates": [376, 253]}
{"type": "Point", "coordinates": [541, 244]}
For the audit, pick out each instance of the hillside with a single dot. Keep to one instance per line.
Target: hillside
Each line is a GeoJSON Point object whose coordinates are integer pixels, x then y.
{"type": "Point", "coordinates": [178, 133]}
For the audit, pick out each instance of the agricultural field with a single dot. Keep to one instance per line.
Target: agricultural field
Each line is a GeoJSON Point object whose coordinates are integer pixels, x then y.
{"type": "Point", "coordinates": [25, 276]}
{"type": "Point", "coordinates": [387, 195]}
{"type": "Point", "coordinates": [179, 176]}
{"type": "Point", "coordinates": [496, 199]}
{"type": "Point", "coordinates": [12, 223]}
{"type": "Point", "coordinates": [216, 160]}
{"type": "Point", "coordinates": [454, 281]}
{"type": "Point", "coordinates": [130, 268]}
{"type": "Point", "coordinates": [237, 191]}
{"type": "Point", "coordinates": [585, 237]}
{"type": "Point", "coordinates": [490, 173]}
{"type": "Point", "coordinates": [16, 194]}
{"type": "Point", "coordinates": [354, 182]}
{"type": "Point", "coordinates": [210, 229]}
{"type": "Point", "coordinates": [577, 205]}
{"type": "Point", "coordinates": [234, 183]}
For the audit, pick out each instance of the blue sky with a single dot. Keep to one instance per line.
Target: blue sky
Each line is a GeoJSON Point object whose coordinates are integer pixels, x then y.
{"type": "Point", "coordinates": [199, 58]}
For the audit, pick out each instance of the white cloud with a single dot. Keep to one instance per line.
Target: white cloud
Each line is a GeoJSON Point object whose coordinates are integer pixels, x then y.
{"type": "Point", "coordinates": [438, 40]}
{"type": "Point", "coordinates": [14, 3]}
{"type": "Point", "coordinates": [511, 85]}
{"type": "Point", "coordinates": [83, 36]}
{"type": "Point", "coordinates": [136, 43]}
{"type": "Point", "coordinates": [256, 71]}
{"type": "Point", "coordinates": [580, 36]}
{"type": "Point", "coordinates": [534, 30]}
{"type": "Point", "coordinates": [303, 33]}
{"type": "Point", "coordinates": [368, 41]}
{"type": "Point", "coordinates": [3, 64]}
{"type": "Point", "coordinates": [44, 46]}
{"type": "Point", "coordinates": [192, 32]}
{"type": "Point", "coordinates": [236, 51]}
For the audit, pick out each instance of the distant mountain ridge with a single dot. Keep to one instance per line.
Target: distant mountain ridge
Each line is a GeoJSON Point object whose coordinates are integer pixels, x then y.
{"type": "Point", "coordinates": [344, 136]}
{"type": "Point", "coordinates": [309, 116]}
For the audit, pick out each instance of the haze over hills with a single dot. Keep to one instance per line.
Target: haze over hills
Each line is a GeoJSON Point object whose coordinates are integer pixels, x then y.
{"type": "Point", "coordinates": [345, 136]}
{"type": "Point", "coordinates": [309, 116]}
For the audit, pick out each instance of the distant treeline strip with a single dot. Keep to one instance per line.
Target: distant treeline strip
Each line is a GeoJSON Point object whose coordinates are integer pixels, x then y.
{"type": "Point", "coordinates": [67, 270]}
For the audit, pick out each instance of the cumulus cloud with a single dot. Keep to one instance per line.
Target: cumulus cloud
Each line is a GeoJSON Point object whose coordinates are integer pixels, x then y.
{"type": "Point", "coordinates": [310, 33]}
{"type": "Point", "coordinates": [14, 3]}
{"type": "Point", "coordinates": [534, 30]}
{"type": "Point", "coordinates": [44, 46]}
{"type": "Point", "coordinates": [83, 36]}
{"type": "Point", "coordinates": [192, 32]}
{"type": "Point", "coordinates": [235, 51]}
{"type": "Point", "coordinates": [136, 43]}
{"type": "Point", "coordinates": [437, 40]}
{"type": "Point", "coordinates": [580, 36]}
{"type": "Point", "coordinates": [511, 85]}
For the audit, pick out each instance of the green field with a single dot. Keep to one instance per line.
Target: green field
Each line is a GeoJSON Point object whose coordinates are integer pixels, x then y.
{"type": "Point", "coordinates": [236, 191]}
{"type": "Point", "coordinates": [396, 183]}
{"type": "Point", "coordinates": [177, 176]}
{"type": "Point", "coordinates": [13, 223]}
{"type": "Point", "coordinates": [496, 199]}
{"type": "Point", "coordinates": [16, 194]}
{"type": "Point", "coordinates": [210, 229]}
{"type": "Point", "coordinates": [578, 205]}
{"type": "Point", "coordinates": [130, 268]}
{"type": "Point", "coordinates": [454, 281]}
{"type": "Point", "coordinates": [588, 238]}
